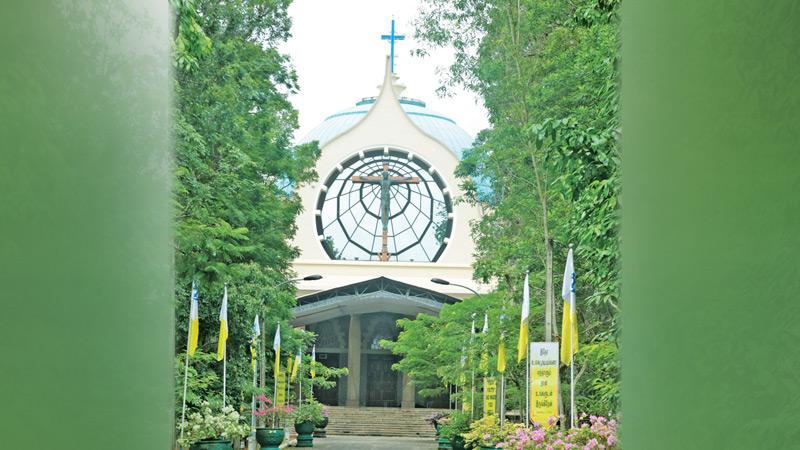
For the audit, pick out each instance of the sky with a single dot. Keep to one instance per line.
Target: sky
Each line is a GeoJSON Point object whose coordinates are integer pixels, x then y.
{"type": "Point", "coordinates": [338, 54]}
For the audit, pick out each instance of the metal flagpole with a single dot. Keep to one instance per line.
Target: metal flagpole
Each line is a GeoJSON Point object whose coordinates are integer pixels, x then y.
{"type": "Point", "coordinates": [252, 445]}
{"type": "Point", "coordinates": [527, 384]}
{"type": "Point", "coordinates": [571, 374]}
{"type": "Point", "coordinates": [224, 373]}
{"type": "Point", "coordinates": [502, 399]}
{"type": "Point", "coordinates": [472, 397]}
{"type": "Point", "coordinates": [185, 383]}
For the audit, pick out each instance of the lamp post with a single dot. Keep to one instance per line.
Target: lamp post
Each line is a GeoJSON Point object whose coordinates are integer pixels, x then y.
{"type": "Point", "coordinates": [447, 283]}
{"type": "Point", "coordinates": [264, 325]}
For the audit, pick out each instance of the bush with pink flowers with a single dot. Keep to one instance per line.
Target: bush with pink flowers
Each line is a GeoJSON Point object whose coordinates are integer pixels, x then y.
{"type": "Point", "coordinates": [599, 433]}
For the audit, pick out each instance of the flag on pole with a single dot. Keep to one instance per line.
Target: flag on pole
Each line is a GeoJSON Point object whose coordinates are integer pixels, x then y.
{"type": "Point", "coordinates": [522, 345]}
{"type": "Point", "coordinates": [484, 363]}
{"type": "Point", "coordinates": [254, 343]}
{"type": "Point", "coordinates": [569, 320]}
{"type": "Point", "coordinates": [289, 369]}
{"type": "Point", "coordinates": [276, 345]}
{"type": "Point", "coordinates": [223, 325]}
{"type": "Point", "coordinates": [501, 356]}
{"type": "Point", "coordinates": [296, 366]}
{"type": "Point", "coordinates": [194, 321]}
{"type": "Point", "coordinates": [313, 361]}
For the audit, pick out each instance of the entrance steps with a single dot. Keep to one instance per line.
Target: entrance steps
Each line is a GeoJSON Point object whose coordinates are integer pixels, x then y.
{"type": "Point", "coordinates": [375, 421]}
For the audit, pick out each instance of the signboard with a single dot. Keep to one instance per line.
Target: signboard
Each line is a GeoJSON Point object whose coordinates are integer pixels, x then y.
{"type": "Point", "coordinates": [489, 396]}
{"type": "Point", "coordinates": [544, 381]}
{"type": "Point", "coordinates": [280, 394]}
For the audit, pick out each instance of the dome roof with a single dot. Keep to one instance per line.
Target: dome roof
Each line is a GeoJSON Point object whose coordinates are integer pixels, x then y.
{"type": "Point", "coordinates": [432, 123]}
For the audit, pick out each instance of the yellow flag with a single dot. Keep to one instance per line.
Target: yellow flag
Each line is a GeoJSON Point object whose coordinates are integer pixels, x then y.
{"type": "Point", "coordinates": [254, 343]}
{"type": "Point", "coordinates": [289, 368]}
{"type": "Point", "coordinates": [313, 361]}
{"type": "Point", "coordinates": [223, 326]}
{"type": "Point", "coordinates": [522, 345]}
{"type": "Point", "coordinates": [569, 320]}
{"type": "Point", "coordinates": [194, 322]}
{"type": "Point", "coordinates": [298, 358]}
{"type": "Point", "coordinates": [501, 356]}
{"type": "Point", "coordinates": [276, 345]}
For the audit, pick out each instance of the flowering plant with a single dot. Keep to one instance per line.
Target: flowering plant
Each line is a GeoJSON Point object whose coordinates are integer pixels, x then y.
{"type": "Point", "coordinates": [325, 411]}
{"type": "Point", "coordinates": [204, 424]}
{"type": "Point", "coordinates": [487, 432]}
{"type": "Point", "coordinates": [599, 433]}
{"type": "Point", "coordinates": [266, 412]}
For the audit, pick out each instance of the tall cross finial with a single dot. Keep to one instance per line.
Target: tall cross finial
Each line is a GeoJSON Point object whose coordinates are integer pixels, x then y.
{"type": "Point", "coordinates": [391, 38]}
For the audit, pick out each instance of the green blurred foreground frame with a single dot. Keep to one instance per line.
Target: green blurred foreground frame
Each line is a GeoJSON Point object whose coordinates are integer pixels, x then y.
{"type": "Point", "coordinates": [711, 225]}
{"type": "Point", "coordinates": [711, 109]}
{"type": "Point", "coordinates": [85, 240]}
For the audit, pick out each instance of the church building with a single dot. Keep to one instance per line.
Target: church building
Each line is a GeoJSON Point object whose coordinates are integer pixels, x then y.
{"type": "Point", "coordinates": [380, 223]}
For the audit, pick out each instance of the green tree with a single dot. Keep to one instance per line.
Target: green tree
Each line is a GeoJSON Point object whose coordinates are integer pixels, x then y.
{"type": "Point", "coordinates": [235, 168]}
{"type": "Point", "coordinates": [546, 72]}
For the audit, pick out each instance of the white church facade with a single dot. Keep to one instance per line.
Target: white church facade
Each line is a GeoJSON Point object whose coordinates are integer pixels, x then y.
{"type": "Point", "coordinates": [380, 223]}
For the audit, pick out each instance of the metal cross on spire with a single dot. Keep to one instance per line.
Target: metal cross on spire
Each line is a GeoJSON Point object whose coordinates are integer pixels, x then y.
{"type": "Point", "coordinates": [391, 38]}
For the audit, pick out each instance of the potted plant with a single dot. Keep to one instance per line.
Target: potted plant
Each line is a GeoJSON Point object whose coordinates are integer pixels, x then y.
{"type": "Point", "coordinates": [319, 431]}
{"type": "Point", "coordinates": [205, 430]}
{"type": "Point", "coordinates": [486, 433]}
{"type": "Point", "coordinates": [306, 416]}
{"type": "Point", "coordinates": [434, 419]}
{"type": "Point", "coordinates": [271, 419]}
{"type": "Point", "coordinates": [451, 429]}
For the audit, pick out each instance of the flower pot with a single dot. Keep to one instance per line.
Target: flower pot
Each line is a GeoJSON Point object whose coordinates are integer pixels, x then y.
{"type": "Point", "coordinates": [270, 438]}
{"type": "Point", "coordinates": [305, 433]}
{"type": "Point", "coordinates": [444, 443]}
{"type": "Point", "coordinates": [212, 444]}
{"type": "Point", "coordinates": [458, 443]}
{"type": "Point", "coordinates": [320, 432]}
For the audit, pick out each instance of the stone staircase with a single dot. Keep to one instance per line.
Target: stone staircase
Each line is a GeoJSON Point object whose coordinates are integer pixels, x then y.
{"type": "Point", "coordinates": [371, 421]}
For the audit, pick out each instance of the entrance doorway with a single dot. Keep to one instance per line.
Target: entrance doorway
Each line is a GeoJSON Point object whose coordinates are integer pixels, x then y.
{"type": "Point", "coordinates": [383, 383]}
{"type": "Point", "coordinates": [329, 396]}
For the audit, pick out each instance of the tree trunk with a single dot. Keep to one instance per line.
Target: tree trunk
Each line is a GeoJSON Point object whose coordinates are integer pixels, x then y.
{"type": "Point", "coordinates": [549, 306]}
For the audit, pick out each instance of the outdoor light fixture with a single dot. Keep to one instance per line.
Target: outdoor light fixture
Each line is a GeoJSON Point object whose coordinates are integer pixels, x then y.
{"type": "Point", "coordinates": [312, 278]}
{"type": "Point", "coordinates": [447, 283]}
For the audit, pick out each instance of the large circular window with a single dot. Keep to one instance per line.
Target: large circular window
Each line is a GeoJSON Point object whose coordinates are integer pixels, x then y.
{"type": "Point", "coordinates": [384, 205]}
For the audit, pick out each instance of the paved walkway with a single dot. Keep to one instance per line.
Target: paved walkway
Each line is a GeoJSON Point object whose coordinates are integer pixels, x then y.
{"type": "Point", "coordinates": [374, 443]}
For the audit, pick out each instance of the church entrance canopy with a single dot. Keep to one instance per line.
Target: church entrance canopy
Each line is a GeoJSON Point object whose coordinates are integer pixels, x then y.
{"type": "Point", "coordinates": [376, 295]}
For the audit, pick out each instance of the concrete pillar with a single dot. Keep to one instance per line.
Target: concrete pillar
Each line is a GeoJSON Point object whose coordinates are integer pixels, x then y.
{"type": "Point", "coordinates": [408, 400]}
{"type": "Point", "coordinates": [354, 361]}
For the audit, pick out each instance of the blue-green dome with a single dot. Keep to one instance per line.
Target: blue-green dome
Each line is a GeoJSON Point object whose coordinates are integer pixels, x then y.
{"type": "Point", "coordinates": [442, 128]}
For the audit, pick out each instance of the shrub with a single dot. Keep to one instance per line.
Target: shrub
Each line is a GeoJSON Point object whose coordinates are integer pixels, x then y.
{"type": "Point", "coordinates": [204, 424]}
{"type": "Point", "coordinates": [453, 426]}
{"type": "Point", "coordinates": [487, 432]}
{"type": "Point", "coordinates": [598, 434]}
{"type": "Point", "coordinates": [310, 411]}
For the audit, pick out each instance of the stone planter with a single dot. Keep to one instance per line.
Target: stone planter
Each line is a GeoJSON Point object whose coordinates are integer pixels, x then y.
{"type": "Point", "coordinates": [270, 438]}
{"type": "Point", "coordinates": [212, 444]}
{"type": "Point", "coordinates": [305, 434]}
{"type": "Point", "coordinates": [320, 432]}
